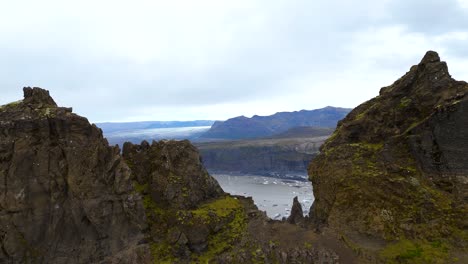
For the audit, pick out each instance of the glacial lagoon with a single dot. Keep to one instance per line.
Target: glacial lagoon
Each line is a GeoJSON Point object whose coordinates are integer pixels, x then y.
{"type": "Point", "coordinates": [273, 195]}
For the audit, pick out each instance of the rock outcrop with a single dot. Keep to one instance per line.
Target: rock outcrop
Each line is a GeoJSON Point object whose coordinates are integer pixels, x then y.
{"type": "Point", "coordinates": [396, 169]}
{"type": "Point", "coordinates": [66, 196]}
{"type": "Point", "coordinates": [297, 215]}
{"type": "Point", "coordinates": [173, 172]}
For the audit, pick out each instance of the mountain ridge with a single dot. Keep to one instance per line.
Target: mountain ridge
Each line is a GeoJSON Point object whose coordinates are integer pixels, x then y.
{"type": "Point", "coordinates": [263, 126]}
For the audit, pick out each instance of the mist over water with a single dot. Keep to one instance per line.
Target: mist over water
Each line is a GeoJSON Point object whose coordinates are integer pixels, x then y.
{"type": "Point", "coordinates": [273, 195]}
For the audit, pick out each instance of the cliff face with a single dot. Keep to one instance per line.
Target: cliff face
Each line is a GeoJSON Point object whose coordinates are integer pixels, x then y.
{"type": "Point", "coordinates": [396, 167]}
{"type": "Point", "coordinates": [286, 154]}
{"type": "Point", "coordinates": [66, 196]}
{"type": "Point", "coordinates": [263, 160]}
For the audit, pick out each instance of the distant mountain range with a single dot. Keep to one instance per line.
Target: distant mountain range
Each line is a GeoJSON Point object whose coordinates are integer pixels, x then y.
{"type": "Point", "coordinates": [300, 124]}
{"type": "Point", "coordinates": [263, 126]}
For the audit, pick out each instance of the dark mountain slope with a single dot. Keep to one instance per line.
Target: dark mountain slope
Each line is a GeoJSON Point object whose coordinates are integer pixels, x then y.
{"type": "Point", "coordinates": [264, 126]}
{"type": "Point", "coordinates": [396, 169]}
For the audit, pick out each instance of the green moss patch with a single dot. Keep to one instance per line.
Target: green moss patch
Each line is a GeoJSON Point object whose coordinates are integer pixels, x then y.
{"type": "Point", "coordinates": [407, 251]}
{"type": "Point", "coordinates": [224, 217]}
{"type": "Point", "coordinates": [404, 102]}
{"type": "Point", "coordinates": [228, 212]}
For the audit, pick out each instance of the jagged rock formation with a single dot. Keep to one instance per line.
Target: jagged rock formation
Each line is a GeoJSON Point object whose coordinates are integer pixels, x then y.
{"type": "Point", "coordinates": [263, 126]}
{"type": "Point", "coordinates": [173, 172]}
{"type": "Point", "coordinates": [297, 215]}
{"type": "Point", "coordinates": [396, 169]}
{"type": "Point", "coordinates": [66, 196]}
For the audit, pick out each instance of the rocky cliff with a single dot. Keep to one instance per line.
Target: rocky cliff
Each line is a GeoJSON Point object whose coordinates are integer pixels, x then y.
{"type": "Point", "coordinates": [393, 177]}
{"type": "Point", "coordinates": [286, 154]}
{"type": "Point", "coordinates": [66, 196]}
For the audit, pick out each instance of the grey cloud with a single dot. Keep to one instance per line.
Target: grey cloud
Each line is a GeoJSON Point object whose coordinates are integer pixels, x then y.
{"type": "Point", "coordinates": [429, 16]}
{"type": "Point", "coordinates": [292, 40]}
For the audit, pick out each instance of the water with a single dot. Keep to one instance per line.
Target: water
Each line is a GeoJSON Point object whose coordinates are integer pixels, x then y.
{"type": "Point", "coordinates": [161, 133]}
{"type": "Point", "coordinates": [273, 195]}
{"type": "Point", "coordinates": [137, 135]}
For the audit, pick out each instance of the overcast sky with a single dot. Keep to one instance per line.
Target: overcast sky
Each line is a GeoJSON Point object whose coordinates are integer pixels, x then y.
{"type": "Point", "coordinates": [213, 59]}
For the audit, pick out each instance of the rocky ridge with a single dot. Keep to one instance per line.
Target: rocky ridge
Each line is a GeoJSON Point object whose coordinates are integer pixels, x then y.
{"type": "Point", "coordinates": [393, 177]}
{"type": "Point", "coordinates": [264, 126]}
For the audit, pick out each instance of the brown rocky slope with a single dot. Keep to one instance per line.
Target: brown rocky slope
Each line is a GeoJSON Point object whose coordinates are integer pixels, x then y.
{"type": "Point", "coordinates": [393, 177]}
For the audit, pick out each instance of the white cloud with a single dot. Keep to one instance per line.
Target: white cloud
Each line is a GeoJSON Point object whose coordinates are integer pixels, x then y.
{"type": "Point", "coordinates": [207, 59]}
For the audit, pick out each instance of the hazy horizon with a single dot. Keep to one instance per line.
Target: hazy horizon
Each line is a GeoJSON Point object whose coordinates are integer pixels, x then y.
{"type": "Point", "coordinates": [116, 61]}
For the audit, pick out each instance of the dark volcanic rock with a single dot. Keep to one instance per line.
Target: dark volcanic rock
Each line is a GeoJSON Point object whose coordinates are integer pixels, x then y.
{"type": "Point", "coordinates": [396, 168]}
{"type": "Point", "coordinates": [173, 171]}
{"type": "Point", "coordinates": [297, 215]}
{"type": "Point", "coordinates": [440, 148]}
{"type": "Point", "coordinates": [37, 97]}
{"type": "Point", "coordinates": [66, 196]}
